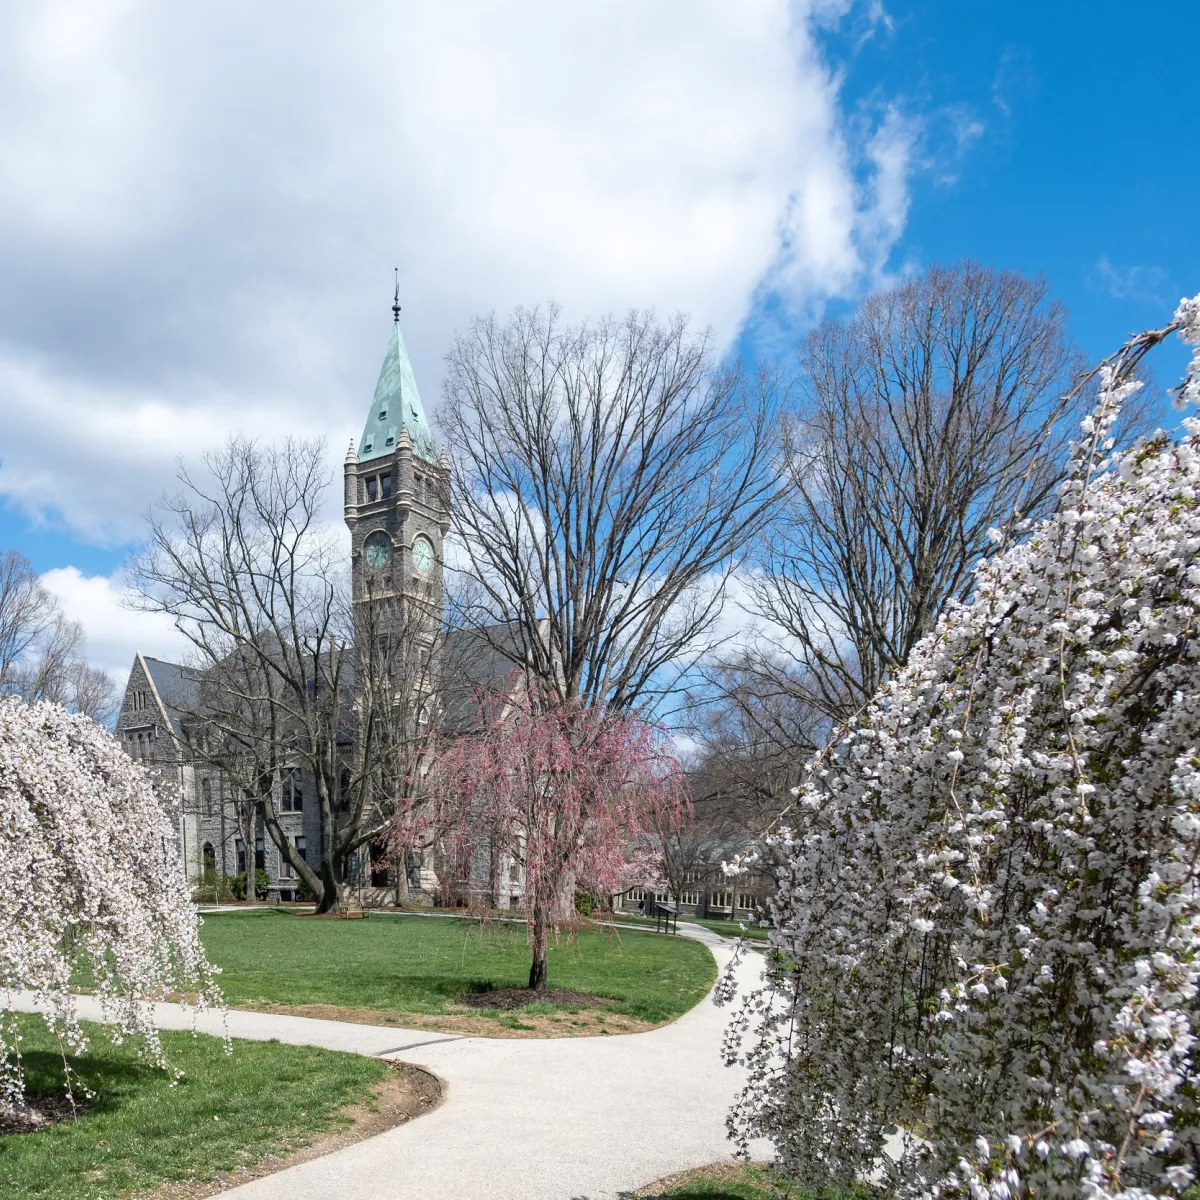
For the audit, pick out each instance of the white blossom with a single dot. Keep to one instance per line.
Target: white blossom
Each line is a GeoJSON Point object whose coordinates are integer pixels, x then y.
{"type": "Point", "coordinates": [89, 874]}
{"type": "Point", "coordinates": [987, 924]}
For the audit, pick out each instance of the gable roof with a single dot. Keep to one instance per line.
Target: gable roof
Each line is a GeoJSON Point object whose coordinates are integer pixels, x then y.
{"type": "Point", "coordinates": [177, 688]}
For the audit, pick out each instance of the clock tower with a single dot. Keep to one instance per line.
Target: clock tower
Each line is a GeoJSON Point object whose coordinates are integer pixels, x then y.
{"type": "Point", "coordinates": [397, 501]}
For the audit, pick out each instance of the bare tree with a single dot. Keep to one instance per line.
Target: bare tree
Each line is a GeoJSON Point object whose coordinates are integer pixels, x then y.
{"type": "Point", "coordinates": [608, 477]}
{"type": "Point", "coordinates": [41, 651]}
{"type": "Point", "coordinates": [930, 417]}
{"type": "Point", "coordinates": [293, 674]}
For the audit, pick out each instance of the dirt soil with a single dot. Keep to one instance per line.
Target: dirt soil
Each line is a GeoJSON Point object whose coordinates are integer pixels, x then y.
{"type": "Point", "coordinates": [471, 1023]}
{"type": "Point", "coordinates": [38, 1112]}
{"type": "Point", "coordinates": [507, 999]}
{"type": "Point", "coordinates": [407, 1093]}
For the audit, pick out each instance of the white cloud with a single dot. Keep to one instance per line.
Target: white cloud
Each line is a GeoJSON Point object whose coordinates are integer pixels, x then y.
{"type": "Point", "coordinates": [114, 631]}
{"type": "Point", "coordinates": [1145, 283]}
{"type": "Point", "coordinates": [200, 207]}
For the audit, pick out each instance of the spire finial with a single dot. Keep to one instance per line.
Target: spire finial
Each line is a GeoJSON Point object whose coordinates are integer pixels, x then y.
{"type": "Point", "coordinates": [396, 300]}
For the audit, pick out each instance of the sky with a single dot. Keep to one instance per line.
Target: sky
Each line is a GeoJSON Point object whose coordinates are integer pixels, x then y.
{"type": "Point", "coordinates": [201, 206]}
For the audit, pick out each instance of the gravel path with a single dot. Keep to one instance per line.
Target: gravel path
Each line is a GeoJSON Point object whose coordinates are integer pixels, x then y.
{"type": "Point", "coordinates": [556, 1119]}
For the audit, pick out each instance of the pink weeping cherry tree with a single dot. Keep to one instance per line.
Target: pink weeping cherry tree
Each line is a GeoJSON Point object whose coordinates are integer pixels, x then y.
{"type": "Point", "coordinates": [89, 874]}
{"type": "Point", "coordinates": [567, 794]}
{"type": "Point", "coordinates": [985, 960]}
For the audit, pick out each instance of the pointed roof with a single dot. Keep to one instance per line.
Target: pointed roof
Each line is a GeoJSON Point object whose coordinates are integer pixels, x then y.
{"type": "Point", "coordinates": [397, 405]}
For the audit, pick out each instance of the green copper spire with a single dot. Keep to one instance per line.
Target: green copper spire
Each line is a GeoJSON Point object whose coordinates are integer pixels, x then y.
{"type": "Point", "coordinates": [397, 405]}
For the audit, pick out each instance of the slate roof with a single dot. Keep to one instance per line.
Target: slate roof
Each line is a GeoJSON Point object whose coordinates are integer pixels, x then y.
{"type": "Point", "coordinates": [475, 661]}
{"type": "Point", "coordinates": [177, 686]}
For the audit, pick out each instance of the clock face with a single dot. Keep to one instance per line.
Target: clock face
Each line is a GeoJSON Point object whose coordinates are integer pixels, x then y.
{"type": "Point", "coordinates": [422, 554]}
{"type": "Point", "coordinates": [378, 550]}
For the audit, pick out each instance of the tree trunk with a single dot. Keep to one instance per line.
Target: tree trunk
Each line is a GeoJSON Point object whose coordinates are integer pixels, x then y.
{"type": "Point", "coordinates": [538, 978]}
{"type": "Point", "coordinates": [333, 892]}
{"type": "Point", "coordinates": [564, 899]}
{"type": "Point", "coordinates": [403, 896]}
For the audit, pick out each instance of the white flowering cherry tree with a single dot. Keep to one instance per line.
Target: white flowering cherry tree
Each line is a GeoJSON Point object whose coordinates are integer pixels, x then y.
{"type": "Point", "coordinates": [985, 937]}
{"type": "Point", "coordinates": [88, 873]}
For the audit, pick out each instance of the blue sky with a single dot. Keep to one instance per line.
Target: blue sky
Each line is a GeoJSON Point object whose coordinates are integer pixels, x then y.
{"type": "Point", "coordinates": [199, 212]}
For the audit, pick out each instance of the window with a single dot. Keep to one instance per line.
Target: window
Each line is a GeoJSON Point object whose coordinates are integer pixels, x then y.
{"type": "Point", "coordinates": [241, 855]}
{"type": "Point", "coordinates": [385, 486]}
{"type": "Point", "coordinates": [285, 867]}
{"type": "Point", "coordinates": [301, 848]}
{"type": "Point", "coordinates": [372, 489]}
{"type": "Point", "coordinates": [637, 895]}
{"type": "Point", "coordinates": [293, 790]}
{"type": "Point", "coordinates": [662, 898]}
{"type": "Point", "coordinates": [745, 900]}
{"type": "Point", "coordinates": [720, 900]}
{"type": "Point", "coordinates": [210, 857]}
{"type": "Point", "coordinates": [260, 855]}
{"type": "Point", "coordinates": [344, 788]}
{"type": "Point", "coordinates": [689, 898]}
{"type": "Point", "coordinates": [206, 797]}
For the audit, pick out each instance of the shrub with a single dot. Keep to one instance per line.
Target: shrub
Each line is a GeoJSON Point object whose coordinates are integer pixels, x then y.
{"type": "Point", "coordinates": [88, 873]}
{"type": "Point", "coordinates": [986, 929]}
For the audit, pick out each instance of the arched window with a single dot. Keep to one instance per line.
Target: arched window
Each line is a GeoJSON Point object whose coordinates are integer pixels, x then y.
{"type": "Point", "coordinates": [210, 857]}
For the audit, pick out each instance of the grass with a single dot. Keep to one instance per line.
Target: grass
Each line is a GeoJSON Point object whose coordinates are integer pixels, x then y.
{"type": "Point", "coordinates": [729, 929]}
{"type": "Point", "coordinates": [723, 1183]}
{"type": "Point", "coordinates": [420, 964]}
{"type": "Point", "coordinates": [740, 1181]}
{"type": "Point", "coordinates": [140, 1131]}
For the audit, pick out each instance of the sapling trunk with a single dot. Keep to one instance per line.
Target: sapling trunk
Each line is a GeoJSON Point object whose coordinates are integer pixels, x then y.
{"type": "Point", "coordinates": [540, 938]}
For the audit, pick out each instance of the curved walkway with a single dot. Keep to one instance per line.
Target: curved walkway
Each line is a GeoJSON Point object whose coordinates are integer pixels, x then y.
{"type": "Point", "coordinates": [555, 1119]}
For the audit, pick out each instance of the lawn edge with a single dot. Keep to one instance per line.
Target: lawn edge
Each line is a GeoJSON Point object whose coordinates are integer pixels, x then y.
{"type": "Point", "coordinates": [365, 1125]}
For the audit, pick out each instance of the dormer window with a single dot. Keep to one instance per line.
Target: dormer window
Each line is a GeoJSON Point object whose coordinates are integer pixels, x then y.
{"type": "Point", "coordinates": [367, 445]}
{"type": "Point", "coordinates": [385, 486]}
{"type": "Point", "coordinates": [391, 440]}
{"type": "Point", "coordinates": [372, 489]}
{"type": "Point", "coordinates": [383, 414]}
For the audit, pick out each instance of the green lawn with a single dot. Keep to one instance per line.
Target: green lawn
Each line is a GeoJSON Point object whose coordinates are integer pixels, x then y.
{"type": "Point", "coordinates": [420, 964]}
{"type": "Point", "coordinates": [729, 929]}
{"type": "Point", "coordinates": [740, 1181]}
{"type": "Point", "coordinates": [140, 1131]}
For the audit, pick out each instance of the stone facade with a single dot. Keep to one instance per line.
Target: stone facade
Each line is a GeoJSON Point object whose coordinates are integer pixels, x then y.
{"type": "Point", "coordinates": [152, 727]}
{"type": "Point", "coordinates": [397, 509]}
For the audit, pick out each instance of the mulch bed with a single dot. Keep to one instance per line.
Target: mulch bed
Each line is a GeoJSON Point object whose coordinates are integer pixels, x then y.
{"type": "Point", "coordinates": [508, 999]}
{"type": "Point", "coordinates": [39, 1112]}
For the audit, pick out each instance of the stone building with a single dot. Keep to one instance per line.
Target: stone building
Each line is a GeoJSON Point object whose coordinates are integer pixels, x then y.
{"type": "Point", "coordinates": [397, 510]}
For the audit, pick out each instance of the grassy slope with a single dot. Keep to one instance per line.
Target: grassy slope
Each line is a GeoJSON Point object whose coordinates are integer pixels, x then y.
{"type": "Point", "coordinates": [140, 1131]}
{"type": "Point", "coordinates": [419, 964]}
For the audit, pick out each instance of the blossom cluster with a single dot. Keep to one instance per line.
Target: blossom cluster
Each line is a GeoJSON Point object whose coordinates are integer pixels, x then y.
{"type": "Point", "coordinates": [90, 881]}
{"type": "Point", "coordinates": [984, 953]}
{"type": "Point", "coordinates": [568, 793]}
